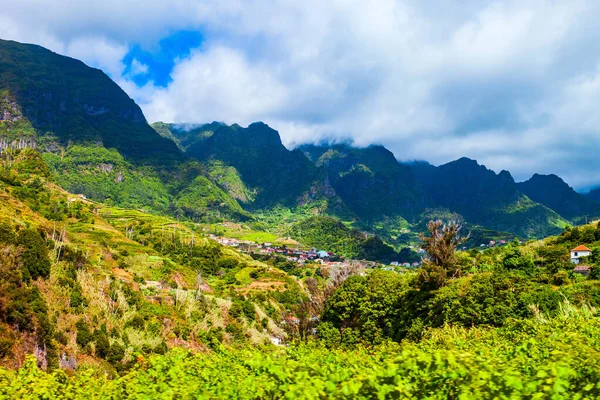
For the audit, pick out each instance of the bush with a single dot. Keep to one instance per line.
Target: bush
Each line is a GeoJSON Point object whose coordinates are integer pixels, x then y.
{"type": "Point", "coordinates": [35, 254]}
{"type": "Point", "coordinates": [84, 335]}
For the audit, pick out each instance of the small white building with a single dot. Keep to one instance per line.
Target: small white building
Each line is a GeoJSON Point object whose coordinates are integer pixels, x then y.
{"type": "Point", "coordinates": [579, 252]}
{"type": "Point", "coordinates": [322, 254]}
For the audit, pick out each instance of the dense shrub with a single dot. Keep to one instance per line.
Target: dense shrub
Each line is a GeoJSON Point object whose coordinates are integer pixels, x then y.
{"type": "Point", "coordinates": [34, 256]}
{"type": "Point", "coordinates": [538, 358]}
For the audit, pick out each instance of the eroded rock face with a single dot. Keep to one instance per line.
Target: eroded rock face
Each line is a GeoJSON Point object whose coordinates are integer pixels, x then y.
{"type": "Point", "coordinates": [105, 167]}
{"type": "Point", "coordinates": [94, 110]}
{"type": "Point", "coordinates": [9, 110]}
{"type": "Point", "coordinates": [68, 362]}
{"type": "Point", "coordinates": [17, 144]}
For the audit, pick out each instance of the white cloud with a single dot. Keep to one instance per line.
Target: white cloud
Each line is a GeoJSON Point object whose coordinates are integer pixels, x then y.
{"type": "Point", "coordinates": [138, 68]}
{"type": "Point", "coordinates": [217, 84]}
{"type": "Point", "coordinates": [98, 52]}
{"type": "Point", "coordinates": [512, 83]}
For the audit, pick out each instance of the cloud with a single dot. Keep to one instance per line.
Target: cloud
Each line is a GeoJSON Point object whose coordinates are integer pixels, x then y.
{"type": "Point", "coordinates": [511, 83]}
{"type": "Point", "coordinates": [137, 68]}
{"type": "Point", "coordinates": [223, 83]}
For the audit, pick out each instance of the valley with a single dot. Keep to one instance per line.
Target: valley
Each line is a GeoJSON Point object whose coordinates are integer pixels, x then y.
{"type": "Point", "coordinates": [211, 261]}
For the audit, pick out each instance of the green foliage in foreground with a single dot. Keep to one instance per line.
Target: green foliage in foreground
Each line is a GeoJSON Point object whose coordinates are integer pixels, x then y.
{"type": "Point", "coordinates": [539, 358]}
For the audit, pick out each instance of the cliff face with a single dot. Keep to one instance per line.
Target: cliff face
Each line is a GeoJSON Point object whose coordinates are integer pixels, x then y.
{"type": "Point", "coordinates": [47, 94]}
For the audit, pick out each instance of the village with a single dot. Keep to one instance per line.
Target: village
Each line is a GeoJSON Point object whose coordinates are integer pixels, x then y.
{"type": "Point", "coordinates": [302, 256]}
{"type": "Point", "coordinates": [329, 259]}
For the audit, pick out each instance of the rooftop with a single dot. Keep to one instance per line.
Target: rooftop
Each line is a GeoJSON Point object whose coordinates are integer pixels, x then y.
{"type": "Point", "coordinates": [582, 268]}
{"type": "Point", "coordinates": [581, 248]}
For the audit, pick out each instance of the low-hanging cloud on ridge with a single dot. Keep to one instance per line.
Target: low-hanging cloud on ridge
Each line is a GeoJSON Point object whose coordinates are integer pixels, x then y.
{"type": "Point", "coordinates": [513, 84]}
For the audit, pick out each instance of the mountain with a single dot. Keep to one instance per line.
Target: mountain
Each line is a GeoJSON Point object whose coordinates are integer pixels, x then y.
{"type": "Point", "coordinates": [61, 100]}
{"type": "Point", "coordinates": [594, 195]}
{"type": "Point", "coordinates": [186, 134]}
{"type": "Point", "coordinates": [96, 142]}
{"type": "Point", "coordinates": [556, 194]}
{"type": "Point", "coordinates": [254, 166]}
{"type": "Point", "coordinates": [95, 137]}
{"type": "Point", "coordinates": [485, 198]}
{"type": "Point", "coordinates": [370, 180]}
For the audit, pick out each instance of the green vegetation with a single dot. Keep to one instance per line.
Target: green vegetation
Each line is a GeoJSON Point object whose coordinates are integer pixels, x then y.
{"type": "Point", "coordinates": [203, 200]}
{"type": "Point", "coordinates": [554, 358]}
{"type": "Point", "coordinates": [104, 175]}
{"type": "Point", "coordinates": [110, 286]}
{"type": "Point", "coordinates": [555, 194]}
{"type": "Point", "coordinates": [97, 283]}
{"type": "Point", "coordinates": [64, 101]}
{"type": "Point", "coordinates": [332, 235]}
{"type": "Point", "coordinates": [121, 291]}
{"type": "Point", "coordinates": [487, 199]}
{"type": "Point", "coordinates": [370, 181]}
{"type": "Point", "coordinates": [488, 288]}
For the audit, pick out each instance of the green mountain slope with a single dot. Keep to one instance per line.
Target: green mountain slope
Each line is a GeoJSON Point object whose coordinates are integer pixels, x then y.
{"type": "Point", "coordinates": [96, 139]}
{"type": "Point", "coordinates": [105, 285]}
{"type": "Point", "coordinates": [370, 181]}
{"type": "Point", "coordinates": [556, 194]}
{"type": "Point", "coordinates": [485, 198]}
{"type": "Point", "coordinates": [256, 168]}
{"type": "Point", "coordinates": [328, 233]}
{"type": "Point", "coordinates": [186, 134]}
{"type": "Point", "coordinates": [66, 101]}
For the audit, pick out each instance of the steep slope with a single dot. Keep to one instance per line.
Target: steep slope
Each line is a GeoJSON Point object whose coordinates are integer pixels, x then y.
{"type": "Point", "coordinates": [186, 134]}
{"type": "Point", "coordinates": [264, 173]}
{"type": "Point", "coordinates": [556, 194]}
{"type": "Point", "coordinates": [66, 101]}
{"type": "Point", "coordinates": [96, 139]}
{"type": "Point", "coordinates": [370, 181]}
{"type": "Point", "coordinates": [97, 284]}
{"type": "Point", "coordinates": [483, 197]}
{"type": "Point", "coordinates": [594, 195]}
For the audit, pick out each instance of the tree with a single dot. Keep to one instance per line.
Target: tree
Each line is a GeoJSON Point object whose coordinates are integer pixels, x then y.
{"type": "Point", "coordinates": [35, 255]}
{"type": "Point", "coordinates": [311, 308]}
{"type": "Point", "coordinates": [441, 263]}
{"type": "Point", "coordinates": [515, 259]}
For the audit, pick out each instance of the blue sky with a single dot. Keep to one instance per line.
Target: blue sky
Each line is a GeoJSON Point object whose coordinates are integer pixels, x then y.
{"type": "Point", "coordinates": [158, 62]}
{"type": "Point", "coordinates": [513, 84]}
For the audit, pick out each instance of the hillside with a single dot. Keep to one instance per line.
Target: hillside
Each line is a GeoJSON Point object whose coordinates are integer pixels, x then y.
{"type": "Point", "coordinates": [516, 315]}
{"type": "Point", "coordinates": [185, 135]}
{"type": "Point", "coordinates": [328, 233]}
{"type": "Point", "coordinates": [96, 284]}
{"type": "Point", "coordinates": [485, 198]}
{"type": "Point", "coordinates": [255, 168]}
{"type": "Point", "coordinates": [556, 194]}
{"type": "Point", "coordinates": [96, 139]}
{"type": "Point", "coordinates": [370, 181]}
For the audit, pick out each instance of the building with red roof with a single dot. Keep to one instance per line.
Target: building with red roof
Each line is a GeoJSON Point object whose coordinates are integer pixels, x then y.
{"type": "Point", "coordinates": [578, 252]}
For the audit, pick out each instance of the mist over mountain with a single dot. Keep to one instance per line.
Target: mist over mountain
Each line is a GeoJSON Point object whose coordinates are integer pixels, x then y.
{"type": "Point", "coordinates": [205, 170]}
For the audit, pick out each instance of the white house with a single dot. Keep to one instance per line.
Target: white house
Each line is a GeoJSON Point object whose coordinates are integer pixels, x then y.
{"type": "Point", "coordinates": [322, 254]}
{"type": "Point", "coordinates": [578, 252]}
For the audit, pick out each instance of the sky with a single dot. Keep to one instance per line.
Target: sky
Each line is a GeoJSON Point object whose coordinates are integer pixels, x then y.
{"type": "Point", "coordinates": [514, 84]}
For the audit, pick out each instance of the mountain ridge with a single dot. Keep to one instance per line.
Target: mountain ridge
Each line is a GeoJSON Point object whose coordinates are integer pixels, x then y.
{"type": "Point", "coordinates": [98, 143]}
